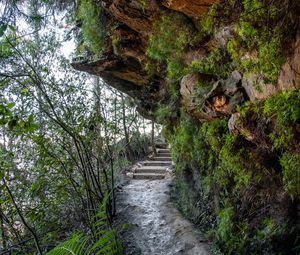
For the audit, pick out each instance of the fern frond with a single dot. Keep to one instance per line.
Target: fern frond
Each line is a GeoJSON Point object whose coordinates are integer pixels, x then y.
{"type": "Point", "coordinates": [73, 246]}
{"type": "Point", "coordinates": [106, 243]}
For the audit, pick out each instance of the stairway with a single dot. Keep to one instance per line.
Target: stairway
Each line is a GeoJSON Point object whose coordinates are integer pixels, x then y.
{"type": "Point", "coordinates": [156, 167]}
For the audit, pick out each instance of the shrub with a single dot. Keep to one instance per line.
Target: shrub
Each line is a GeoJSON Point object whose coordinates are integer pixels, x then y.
{"type": "Point", "coordinates": [264, 40]}
{"type": "Point", "coordinates": [182, 142]}
{"type": "Point", "coordinates": [216, 64]}
{"type": "Point", "coordinates": [214, 132]}
{"type": "Point", "coordinates": [270, 57]}
{"type": "Point", "coordinates": [211, 21]}
{"type": "Point", "coordinates": [176, 68]}
{"type": "Point", "coordinates": [267, 53]}
{"type": "Point", "coordinates": [171, 36]}
{"type": "Point", "coordinates": [225, 224]}
{"type": "Point", "coordinates": [290, 163]}
{"type": "Point", "coordinates": [284, 106]}
{"type": "Point", "coordinates": [285, 109]}
{"type": "Point", "coordinates": [230, 237]}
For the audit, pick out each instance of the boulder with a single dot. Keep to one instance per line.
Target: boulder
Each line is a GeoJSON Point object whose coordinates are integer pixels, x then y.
{"type": "Point", "coordinates": [290, 72]}
{"type": "Point", "coordinates": [235, 126]}
{"type": "Point", "coordinates": [207, 102]}
{"type": "Point", "coordinates": [221, 37]}
{"type": "Point", "coordinates": [256, 88]}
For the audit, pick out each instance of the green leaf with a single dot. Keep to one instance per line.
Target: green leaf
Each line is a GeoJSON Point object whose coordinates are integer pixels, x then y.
{"type": "Point", "coordinates": [3, 28]}
{"type": "Point", "coordinates": [12, 28]}
{"type": "Point", "coordinates": [24, 90]}
{"type": "Point", "coordinates": [12, 123]}
{"type": "Point", "coordinates": [10, 105]}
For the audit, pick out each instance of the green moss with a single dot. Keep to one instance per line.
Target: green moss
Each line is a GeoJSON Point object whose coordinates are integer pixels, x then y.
{"type": "Point", "coordinates": [88, 14]}
{"type": "Point", "coordinates": [211, 21]}
{"type": "Point", "coordinates": [214, 132]}
{"type": "Point", "coordinates": [247, 32]}
{"type": "Point", "coordinates": [258, 45]}
{"type": "Point", "coordinates": [228, 167]}
{"type": "Point", "coordinates": [270, 57]}
{"type": "Point", "coordinates": [228, 164]}
{"type": "Point", "coordinates": [167, 48]}
{"type": "Point", "coordinates": [265, 41]}
{"type": "Point", "coordinates": [285, 109]}
{"type": "Point", "coordinates": [207, 23]}
{"type": "Point", "coordinates": [234, 49]}
{"type": "Point", "coordinates": [176, 68]}
{"type": "Point", "coordinates": [290, 163]}
{"type": "Point", "coordinates": [234, 158]}
{"type": "Point", "coordinates": [170, 38]}
{"type": "Point", "coordinates": [143, 4]}
{"type": "Point", "coordinates": [215, 64]}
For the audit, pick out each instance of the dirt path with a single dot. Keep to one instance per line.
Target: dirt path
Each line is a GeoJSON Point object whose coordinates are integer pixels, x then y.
{"type": "Point", "coordinates": [155, 227]}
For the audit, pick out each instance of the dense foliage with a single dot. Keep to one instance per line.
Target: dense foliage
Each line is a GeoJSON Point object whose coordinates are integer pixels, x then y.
{"type": "Point", "coordinates": [232, 182]}
{"type": "Point", "coordinates": [65, 136]}
{"type": "Point", "coordinates": [241, 187]}
{"type": "Point", "coordinates": [88, 15]}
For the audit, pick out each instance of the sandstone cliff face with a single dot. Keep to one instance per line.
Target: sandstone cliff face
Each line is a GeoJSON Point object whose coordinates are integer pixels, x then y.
{"type": "Point", "coordinates": [131, 25]}
{"type": "Point", "coordinates": [191, 8]}
{"type": "Point", "coordinates": [123, 65]}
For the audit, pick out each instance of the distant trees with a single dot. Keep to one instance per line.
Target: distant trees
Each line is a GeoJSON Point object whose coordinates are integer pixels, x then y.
{"type": "Point", "coordinates": [64, 136]}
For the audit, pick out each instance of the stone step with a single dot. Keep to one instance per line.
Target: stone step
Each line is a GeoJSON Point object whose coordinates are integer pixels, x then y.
{"type": "Point", "coordinates": [162, 159]}
{"type": "Point", "coordinates": [163, 154]}
{"type": "Point", "coordinates": [157, 163]}
{"type": "Point", "coordinates": [161, 145]}
{"type": "Point", "coordinates": [151, 169]}
{"type": "Point", "coordinates": [148, 176]}
{"type": "Point", "coordinates": [163, 150]}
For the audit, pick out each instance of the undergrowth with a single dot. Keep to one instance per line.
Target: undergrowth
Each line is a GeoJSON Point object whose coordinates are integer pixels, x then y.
{"type": "Point", "coordinates": [103, 241]}
{"type": "Point", "coordinates": [231, 169]}
{"type": "Point", "coordinates": [228, 171]}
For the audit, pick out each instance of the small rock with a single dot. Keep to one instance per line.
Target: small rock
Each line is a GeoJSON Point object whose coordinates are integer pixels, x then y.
{"type": "Point", "coordinates": [129, 174]}
{"type": "Point", "coordinates": [235, 126]}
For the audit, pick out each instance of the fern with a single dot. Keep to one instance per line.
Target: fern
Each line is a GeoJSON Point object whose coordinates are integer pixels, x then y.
{"type": "Point", "coordinates": [82, 244]}
{"type": "Point", "coordinates": [75, 245]}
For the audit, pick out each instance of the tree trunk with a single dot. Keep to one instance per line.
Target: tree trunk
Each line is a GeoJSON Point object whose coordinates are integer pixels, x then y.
{"type": "Point", "coordinates": [152, 138]}
{"type": "Point", "coordinates": [3, 235]}
{"type": "Point", "coordinates": [129, 152]}
{"type": "Point", "coordinates": [36, 241]}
